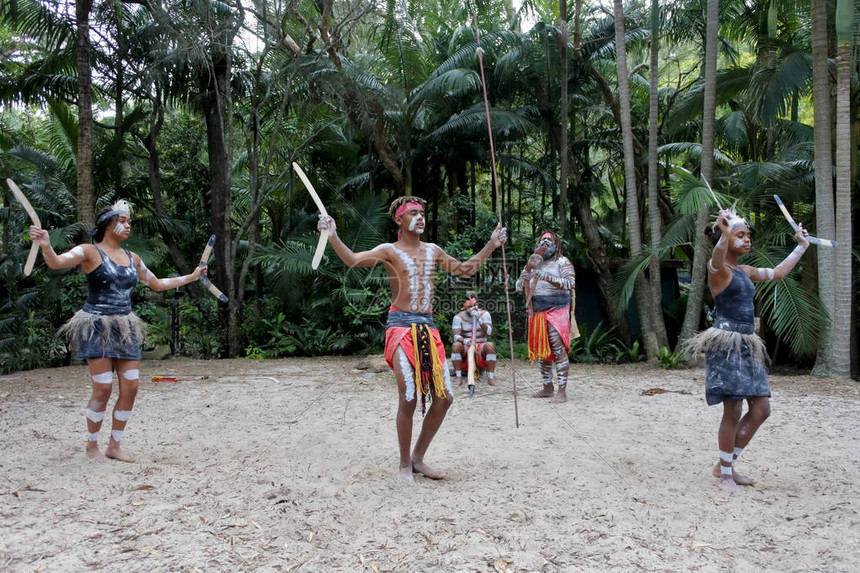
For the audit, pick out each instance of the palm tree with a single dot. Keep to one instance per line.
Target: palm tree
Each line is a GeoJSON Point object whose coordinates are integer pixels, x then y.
{"type": "Point", "coordinates": [643, 293]}
{"type": "Point", "coordinates": [825, 215]}
{"type": "Point", "coordinates": [845, 148]}
{"type": "Point", "coordinates": [702, 250]}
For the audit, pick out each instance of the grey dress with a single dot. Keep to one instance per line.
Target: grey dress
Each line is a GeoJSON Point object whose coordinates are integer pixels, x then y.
{"type": "Point", "coordinates": [735, 356]}
{"type": "Point", "coordinates": [106, 327]}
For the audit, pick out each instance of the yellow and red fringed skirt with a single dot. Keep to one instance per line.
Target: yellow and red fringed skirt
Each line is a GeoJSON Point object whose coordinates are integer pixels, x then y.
{"type": "Point", "coordinates": [557, 317]}
{"type": "Point", "coordinates": [423, 346]}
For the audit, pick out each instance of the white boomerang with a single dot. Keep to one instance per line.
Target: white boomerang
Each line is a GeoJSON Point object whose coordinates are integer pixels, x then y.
{"type": "Point", "coordinates": [810, 238]}
{"type": "Point", "coordinates": [34, 248]}
{"type": "Point", "coordinates": [318, 254]}
{"type": "Point", "coordinates": [204, 260]}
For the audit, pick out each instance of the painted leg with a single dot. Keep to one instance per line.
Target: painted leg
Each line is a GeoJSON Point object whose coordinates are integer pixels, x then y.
{"type": "Point", "coordinates": [102, 376]}
{"type": "Point", "coordinates": [128, 372]}
{"type": "Point", "coordinates": [405, 377]}
{"type": "Point", "coordinates": [457, 351]}
{"type": "Point", "coordinates": [488, 351]}
{"type": "Point", "coordinates": [432, 421]}
{"type": "Point", "coordinates": [726, 439]}
{"type": "Point", "coordinates": [562, 364]}
{"type": "Point", "coordinates": [546, 378]}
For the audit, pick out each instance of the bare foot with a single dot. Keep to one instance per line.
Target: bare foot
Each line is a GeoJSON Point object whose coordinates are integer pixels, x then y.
{"type": "Point", "coordinates": [115, 453]}
{"type": "Point", "coordinates": [492, 382]}
{"type": "Point", "coordinates": [727, 484]}
{"type": "Point", "coordinates": [740, 479]}
{"type": "Point", "coordinates": [405, 474]}
{"type": "Point", "coordinates": [427, 471]}
{"type": "Point", "coordinates": [546, 392]}
{"type": "Point", "coordinates": [561, 397]}
{"type": "Point", "coordinates": [458, 381]}
{"type": "Point", "coordinates": [93, 451]}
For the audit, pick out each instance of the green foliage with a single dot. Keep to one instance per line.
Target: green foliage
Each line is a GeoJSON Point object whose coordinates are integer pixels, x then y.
{"type": "Point", "coordinates": [597, 346]}
{"type": "Point", "coordinates": [200, 328]}
{"type": "Point", "coordinates": [668, 359]}
{"type": "Point", "coordinates": [27, 343]}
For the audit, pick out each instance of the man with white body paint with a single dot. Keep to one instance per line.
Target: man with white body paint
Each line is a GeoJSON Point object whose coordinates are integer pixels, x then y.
{"type": "Point", "coordinates": [107, 332]}
{"type": "Point", "coordinates": [735, 356]}
{"type": "Point", "coordinates": [413, 347]}
{"type": "Point", "coordinates": [461, 330]}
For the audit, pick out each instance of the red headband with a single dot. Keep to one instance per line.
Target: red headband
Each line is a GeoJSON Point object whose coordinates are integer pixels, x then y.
{"type": "Point", "coordinates": [406, 207]}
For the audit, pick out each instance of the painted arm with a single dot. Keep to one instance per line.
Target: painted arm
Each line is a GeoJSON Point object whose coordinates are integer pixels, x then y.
{"type": "Point", "coordinates": [566, 281]}
{"type": "Point", "coordinates": [72, 258]}
{"type": "Point", "coordinates": [157, 284]}
{"type": "Point", "coordinates": [470, 267]}
{"type": "Point", "coordinates": [347, 255]}
{"type": "Point", "coordinates": [786, 266]}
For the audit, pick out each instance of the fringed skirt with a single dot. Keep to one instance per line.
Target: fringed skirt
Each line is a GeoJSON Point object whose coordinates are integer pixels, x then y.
{"type": "Point", "coordinates": [105, 335]}
{"type": "Point", "coordinates": [735, 361]}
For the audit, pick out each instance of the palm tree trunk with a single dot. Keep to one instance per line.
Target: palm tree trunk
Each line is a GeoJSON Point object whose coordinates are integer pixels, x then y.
{"type": "Point", "coordinates": [842, 323]}
{"type": "Point", "coordinates": [643, 295]}
{"type": "Point", "coordinates": [655, 221]}
{"type": "Point", "coordinates": [825, 215]}
{"type": "Point", "coordinates": [703, 250]}
{"type": "Point", "coordinates": [85, 192]}
{"type": "Point", "coordinates": [562, 157]}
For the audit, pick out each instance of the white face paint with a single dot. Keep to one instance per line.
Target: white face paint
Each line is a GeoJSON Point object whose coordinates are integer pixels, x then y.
{"type": "Point", "coordinates": [118, 228]}
{"type": "Point", "coordinates": [414, 223]}
{"type": "Point", "coordinates": [738, 243]}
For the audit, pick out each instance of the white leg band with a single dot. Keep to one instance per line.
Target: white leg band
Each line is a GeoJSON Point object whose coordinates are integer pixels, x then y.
{"type": "Point", "coordinates": [726, 457]}
{"type": "Point", "coordinates": [122, 415]}
{"type": "Point", "coordinates": [116, 435]}
{"type": "Point", "coordinates": [456, 356]}
{"type": "Point", "coordinates": [103, 378]}
{"type": "Point", "coordinates": [94, 416]}
{"type": "Point", "coordinates": [490, 358]}
{"type": "Point", "coordinates": [92, 437]}
{"type": "Point", "coordinates": [491, 375]}
{"type": "Point", "coordinates": [132, 374]}
{"type": "Point", "coordinates": [737, 452]}
{"type": "Point", "coordinates": [725, 471]}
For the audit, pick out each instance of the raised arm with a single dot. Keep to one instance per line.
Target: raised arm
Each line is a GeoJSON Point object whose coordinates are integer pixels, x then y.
{"type": "Point", "coordinates": [347, 255]}
{"type": "Point", "coordinates": [470, 267]}
{"type": "Point", "coordinates": [782, 269]}
{"type": "Point", "coordinates": [77, 255]}
{"type": "Point", "coordinates": [157, 284]}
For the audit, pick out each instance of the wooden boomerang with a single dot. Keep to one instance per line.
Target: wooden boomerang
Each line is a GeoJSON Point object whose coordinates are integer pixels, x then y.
{"type": "Point", "coordinates": [810, 238]}
{"type": "Point", "coordinates": [34, 248]}
{"type": "Point", "coordinates": [318, 254]}
{"type": "Point", "coordinates": [204, 259]}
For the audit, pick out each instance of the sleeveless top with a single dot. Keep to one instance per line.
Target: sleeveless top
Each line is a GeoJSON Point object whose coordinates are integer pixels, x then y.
{"type": "Point", "coordinates": [733, 307]}
{"type": "Point", "coordinates": [110, 285]}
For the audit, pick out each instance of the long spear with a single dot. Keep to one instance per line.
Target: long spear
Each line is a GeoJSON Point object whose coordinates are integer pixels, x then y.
{"type": "Point", "coordinates": [479, 52]}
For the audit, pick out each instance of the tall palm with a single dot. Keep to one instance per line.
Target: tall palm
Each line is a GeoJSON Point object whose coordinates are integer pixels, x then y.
{"type": "Point", "coordinates": [655, 219]}
{"type": "Point", "coordinates": [825, 215]}
{"type": "Point", "coordinates": [842, 321]}
{"type": "Point", "coordinates": [702, 250]}
{"type": "Point", "coordinates": [643, 294]}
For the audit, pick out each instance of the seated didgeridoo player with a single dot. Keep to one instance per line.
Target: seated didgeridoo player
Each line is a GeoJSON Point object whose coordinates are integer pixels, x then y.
{"type": "Point", "coordinates": [413, 347]}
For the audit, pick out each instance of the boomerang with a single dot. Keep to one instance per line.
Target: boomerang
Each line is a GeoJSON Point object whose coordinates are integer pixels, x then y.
{"type": "Point", "coordinates": [810, 238]}
{"type": "Point", "coordinates": [204, 260]}
{"type": "Point", "coordinates": [714, 195]}
{"type": "Point", "coordinates": [34, 248]}
{"type": "Point", "coordinates": [318, 254]}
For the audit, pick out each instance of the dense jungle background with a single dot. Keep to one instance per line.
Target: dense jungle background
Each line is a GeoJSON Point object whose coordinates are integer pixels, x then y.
{"type": "Point", "coordinates": [607, 120]}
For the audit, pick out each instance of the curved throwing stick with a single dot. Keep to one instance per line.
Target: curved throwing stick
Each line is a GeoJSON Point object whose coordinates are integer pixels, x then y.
{"type": "Point", "coordinates": [34, 218]}
{"type": "Point", "coordinates": [810, 238]}
{"type": "Point", "coordinates": [204, 259]}
{"type": "Point", "coordinates": [318, 254]}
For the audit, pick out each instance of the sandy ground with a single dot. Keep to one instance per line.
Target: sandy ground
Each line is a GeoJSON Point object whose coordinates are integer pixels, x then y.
{"type": "Point", "coordinates": [288, 465]}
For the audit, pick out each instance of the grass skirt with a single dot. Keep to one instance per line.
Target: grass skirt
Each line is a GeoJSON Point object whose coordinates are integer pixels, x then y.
{"type": "Point", "coordinates": [105, 335]}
